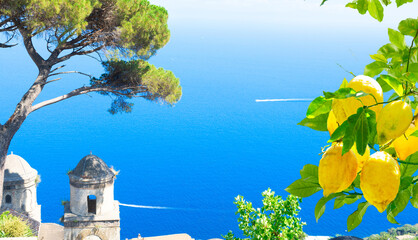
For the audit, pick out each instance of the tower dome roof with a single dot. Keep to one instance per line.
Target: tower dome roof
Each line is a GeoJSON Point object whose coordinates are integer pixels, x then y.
{"type": "Point", "coordinates": [17, 169]}
{"type": "Point", "coordinates": [91, 169]}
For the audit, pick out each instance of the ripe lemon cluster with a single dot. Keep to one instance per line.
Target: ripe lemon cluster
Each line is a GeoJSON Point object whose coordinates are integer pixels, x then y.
{"type": "Point", "coordinates": [379, 172]}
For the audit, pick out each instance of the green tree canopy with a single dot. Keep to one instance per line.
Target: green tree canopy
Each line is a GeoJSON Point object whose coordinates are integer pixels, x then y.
{"type": "Point", "coordinates": [129, 31]}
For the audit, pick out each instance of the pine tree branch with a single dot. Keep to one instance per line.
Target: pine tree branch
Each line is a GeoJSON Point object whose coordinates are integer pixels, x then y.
{"type": "Point", "coordinates": [75, 53]}
{"type": "Point", "coordinates": [81, 91]}
{"type": "Point", "coordinates": [67, 72]}
{"type": "Point", "coordinates": [27, 40]}
{"type": "Point", "coordinates": [2, 45]}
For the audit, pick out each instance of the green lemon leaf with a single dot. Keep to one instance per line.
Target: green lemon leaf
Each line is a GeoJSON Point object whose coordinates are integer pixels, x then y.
{"type": "Point", "coordinates": [414, 134]}
{"type": "Point", "coordinates": [390, 216]}
{"type": "Point", "coordinates": [396, 38]}
{"type": "Point", "coordinates": [402, 2]}
{"type": "Point", "coordinates": [383, 84]}
{"type": "Point", "coordinates": [310, 172]}
{"type": "Point", "coordinates": [362, 6]}
{"type": "Point", "coordinates": [356, 217]}
{"type": "Point", "coordinates": [351, 131]}
{"type": "Point", "coordinates": [344, 83]}
{"type": "Point", "coordinates": [320, 206]}
{"type": "Point", "coordinates": [339, 132]}
{"type": "Point", "coordinates": [343, 93]}
{"type": "Point", "coordinates": [398, 205]}
{"type": "Point", "coordinates": [379, 58]}
{"type": "Point", "coordinates": [375, 68]}
{"type": "Point", "coordinates": [389, 50]}
{"type": "Point", "coordinates": [413, 55]}
{"type": "Point", "coordinates": [413, 67]}
{"type": "Point", "coordinates": [408, 26]}
{"type": "Point", "coordinates": [410, 169]}
{"type": "Point", "coordinates": [339, 201]}
{"type": "Point", "coordinates": [394, 83]}
{"type": "Point", "coordinates": [371, 123]}
{"type": "Point", "coordinates": [318, 123]}
{"type": "Point", "coordinates": [302, 188]}
{"type": "Point", "coordinates": [376, 10]}
{"type": "Point", "coordinates": [362, 133]}
{"type": "Point", "coordinates": [319, 106]}
{"type": "Point", "coordinates": [348, 139]}
{"type": "Point", "coordinates": [352, 5]}
{"type": "Point", "coordinates": [308, 184]}
{"type": "Point", "coordinates": [345, 199]}
{"type": "Point", "coordinates": [391, 151]}
{"type": "Point", "coordinates": [405, 182]}
{"type": "Point", "coordinates": [386, 2]}
{"type": "Point", "coordinates": [414, 199]}
{"type": "Point", "coordinates": [412, 77]}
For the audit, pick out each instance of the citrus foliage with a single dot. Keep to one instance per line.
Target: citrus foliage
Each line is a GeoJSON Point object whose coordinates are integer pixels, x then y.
{"type": "Point", "coordinates": [275, 220]}
{"type": "Point", "coordinates": [12, 226]}
{"type": "Point", "coordinates": [359, 119]}
{"type": "Point", "coordinates": [374, 7]}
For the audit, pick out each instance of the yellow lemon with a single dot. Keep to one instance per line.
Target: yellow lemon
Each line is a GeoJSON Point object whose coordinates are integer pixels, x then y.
{"type": "Point", "coordinates": [343, 108]}
{"type": "Point", "coordinates": [408, 145]}
{"type": "Point", "coordinates": [331, 123]}
{"type": "Point", "coordinates": [336, 172]}
{"type": "Point", "coordinates": [380, 179]}
{"type": "Point", "coordinates": [393, 121]}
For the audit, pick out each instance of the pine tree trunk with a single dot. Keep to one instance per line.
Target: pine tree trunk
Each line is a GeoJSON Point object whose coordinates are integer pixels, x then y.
{"type": "Point", "coordinates": [23, 109]}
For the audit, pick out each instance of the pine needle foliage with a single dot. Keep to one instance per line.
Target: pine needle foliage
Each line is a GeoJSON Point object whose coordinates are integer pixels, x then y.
{"type": "Point", "coordinates": [123, 34]}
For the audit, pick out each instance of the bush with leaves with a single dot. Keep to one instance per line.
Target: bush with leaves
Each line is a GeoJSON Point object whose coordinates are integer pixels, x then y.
{"type": "Point", "coordinates": [395, 68]}
{"type": "Point", "coordinates": [275, 220]}
{"type": "Point", "coordinates": [12, 226]}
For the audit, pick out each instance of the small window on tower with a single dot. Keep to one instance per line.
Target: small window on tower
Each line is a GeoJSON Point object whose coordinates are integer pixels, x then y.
{"type": "Point", "coordinates": [8, 199]}
{"type": "Point", "coordinates": [91, 204]}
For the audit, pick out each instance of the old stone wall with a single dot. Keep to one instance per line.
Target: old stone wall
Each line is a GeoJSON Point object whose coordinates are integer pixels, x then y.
{"type": "Point", "coordinates": [104, 199]}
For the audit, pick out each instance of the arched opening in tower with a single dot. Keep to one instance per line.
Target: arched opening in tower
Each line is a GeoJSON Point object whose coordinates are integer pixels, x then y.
{"type": "Point", "coordinates": [91, 204]}
{"type": "Point", "coordinates": [8, 199]}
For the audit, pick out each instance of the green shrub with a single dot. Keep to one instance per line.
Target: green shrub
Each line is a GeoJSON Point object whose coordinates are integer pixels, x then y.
{"type": "Point", "coordinates": [275, 220]}
{"type": "Point", "coordinates": [12, 226]}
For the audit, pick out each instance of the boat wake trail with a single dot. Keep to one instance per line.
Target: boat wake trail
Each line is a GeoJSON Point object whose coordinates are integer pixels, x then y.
{"type": "Point", "coordinates": [172, 208]}
{"type": "Point", "coordinates": [142, 206]}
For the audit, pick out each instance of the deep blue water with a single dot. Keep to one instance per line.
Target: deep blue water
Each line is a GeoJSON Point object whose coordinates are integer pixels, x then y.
{"type": "Point", "coordinates": [216, 143]}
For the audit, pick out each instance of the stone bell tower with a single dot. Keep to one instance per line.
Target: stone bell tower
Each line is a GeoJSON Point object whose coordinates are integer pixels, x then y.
{"type": "Point", "coordinates": [92, 213]}
{"type": "Point", "coordinates": [19, 187]}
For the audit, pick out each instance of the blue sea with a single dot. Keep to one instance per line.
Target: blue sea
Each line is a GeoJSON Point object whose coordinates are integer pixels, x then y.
{"type": "Point", "coordinates": [217, 142]}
